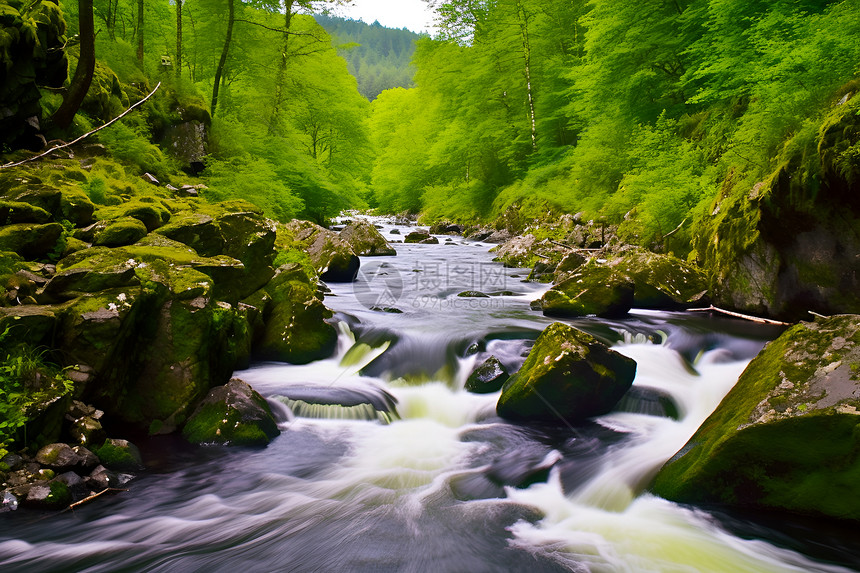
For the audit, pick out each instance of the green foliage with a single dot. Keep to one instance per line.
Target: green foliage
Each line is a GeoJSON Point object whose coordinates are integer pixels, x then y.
{"type": "Point", "coordinates": [254, 180]}
{"type": "Point", "coordinates": [131, 142]}
{"type": "Point", "coordinates": [26, 379]}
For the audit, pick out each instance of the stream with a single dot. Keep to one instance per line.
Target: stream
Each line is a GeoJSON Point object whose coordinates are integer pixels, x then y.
{"type": "Point", "coordinates": [385, 463]}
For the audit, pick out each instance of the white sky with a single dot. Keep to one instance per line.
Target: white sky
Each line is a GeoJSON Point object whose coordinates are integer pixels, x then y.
{"type": "Point", "coordinates": [412, 14]}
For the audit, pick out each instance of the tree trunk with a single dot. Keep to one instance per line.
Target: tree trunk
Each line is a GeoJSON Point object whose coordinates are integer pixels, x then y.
{"type": "Point", "coordinates": [219, 71]}
{"type": "Point", "coordinates": [523, 18]}
{"type": "Point", "coordinates": [178, 38]}
{"type": "Point", "coordinates": [282, 68]}
{"type": "Point", "coordinates": [80, 83]}
{"type": "Point", "coordinates": [140, 33]}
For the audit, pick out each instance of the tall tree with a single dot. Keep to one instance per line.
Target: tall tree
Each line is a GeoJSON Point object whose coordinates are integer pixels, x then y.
{"type": "Point", "coordinates": [140, 32]}
{"type": "Point", "coordinates": [83, 77]}
{"type": "Point", "coordinates": [178, 38]}
{"type": "Point", "coordinates": [231, 16]}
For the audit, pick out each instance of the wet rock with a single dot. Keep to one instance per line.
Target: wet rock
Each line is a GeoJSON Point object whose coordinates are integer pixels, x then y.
{"type": "Point", "coordinates": [76, 484]}
{"type": "Point", "coordinates": [517, 252]}
{"type": "Point", "coordinates": [119, 455]}
{"type": "Point", "coordinates": [487, 378]}
{"type": "Point", "coordinates": [661, 281]}
{"type": "Point", "coordinates": [591, 290]}
{"type": "Point", "coordinates": [88, 459]}
{"type": "Point", "coordinates": [366, 240]}
{"type": "Point", "coordinates": [499, 236]}
{"type": "Point", "coordinates": [416, 237]}
{"type": "Point", "coordinates": [332, 257]}
{"type": "Point", "coordinates": [8, 502]}
{"type": "Point", "coordinates": [234, 414]}
{"type": "Point", "coordinates": [12, 462]}
{"type": "Point", "coordinates": [293, 319]}
{"type": "Point", "coordinates": [568, 376]}
{"type": "Point", "coordinates": [429, 241]}
{"type": "Point", "coordinates": [58, 456]}
{"type": "Point", "coordinates": [473, 294]}
{"type": "Point", "coordinates": [394, 232]}
{"type": "Point", "coordinates": [101, 478]}
{"type": "Point", "coordinates": [53, 495]}
{"type": "Point", "coordinates": [786, 436]}
{"type": "Point", "coordinates": [570, 262]}
{"type": "Point", "coordinates": [649, 401]}
{"type": "Point", "coordinates": [542, 272]}
{"type": "Point", "coordinates": [86, 430]}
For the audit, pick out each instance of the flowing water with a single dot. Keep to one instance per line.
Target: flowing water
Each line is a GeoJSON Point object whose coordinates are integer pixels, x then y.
{"type": "Point", "coordinates": [386, 464]}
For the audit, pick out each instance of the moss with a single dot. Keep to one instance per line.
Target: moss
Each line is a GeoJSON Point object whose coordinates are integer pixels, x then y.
{"type": "Point", "coordinates": [119, 455]}
{"type": "Point", "coordinates": [152, 214]}
{"type": "Point", "coordinates": [592, 290]}
{"type": "Point", "coordinates": [121, 232]}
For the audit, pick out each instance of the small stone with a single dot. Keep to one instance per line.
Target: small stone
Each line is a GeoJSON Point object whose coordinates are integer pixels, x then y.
{"type": "Point", "coordinates": [149, 178]}
{"type": "Point", "coordinates": [101, 478]}
{"type": "Point", "coordinates": [8, 502]}
{"type": "Point", "coordinates": [88, 459]}
{"type": "Point", "coordinates": [88, 430]}
{"type": "Point", "coordinates": [120, 455]}
{"type": "Point", "coordinates": [58, 456]}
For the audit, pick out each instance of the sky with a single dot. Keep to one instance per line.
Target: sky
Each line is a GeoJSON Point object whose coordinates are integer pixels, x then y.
{"type": "Point", "coordinates": [412, 14]}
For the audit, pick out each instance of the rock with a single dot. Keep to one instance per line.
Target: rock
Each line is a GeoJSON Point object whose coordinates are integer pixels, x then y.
{"type": "Point", "coordinates": [76, 207]}
{"type": "Point", "coordinates": [293, 325]}
{"type": "Point", "coordinates": [234, 414]}
{"type": "Point", "coordinates": [662, 281]}
{"type": "Point", "coordinates": [649, 401]}
{"type": "Point", "coordinates": [53, 495]}
{"type": "Point", "coordinates": [101, 479]}
{"type": "Point", "coordinates": [786, 436]}
{"type": "Point", "coordinates": [189, 142]}
{"type": "Point", "coordinates": [568, 374]}
{"type": "Point", "coordinates": [32, 324]}
{"type": "Point", "coordinates": [31, 241]}
{"type": "Point", "coordinates": [12, 462]}
{"type": "Point", "coordinates": [88, 459]}
{"type": "Point", "coordinates": [120, 232]}
{"type": "Point", "coordinates": [8, 502]}
{"type": "Point", "coordinates": [58, 456]}
{"type": "Point", "coordinates": [788, 245]}
{"type": "Point", "coordinates": [394, 232]}
{"type": "Point", "coordinates": [119, 455]}
{"type": "Point", "coordinates": [487, 378]}
{"type": "Point", "coordinates": [416, 237]}
{"type": "Point", "coordinates": [366, 240]}
{"type": "Point", "coordinates": [517, 252]}
{"type": "Point", "coordinates": [101, 270]}
{"type": "Point", "coordinates": [499, 236]}
{"type": "Point", "coordinates": [429, 241]}
{"type": "Point", "coordinates": [16, 213]}
{"type": "Point", "coordinates": [542, 272]}
{"type": "Point", "coordinates": [86, 430]}
{"type": "Point", "coordinates": [570, 262]}
{"type": "Point", "coordinates": [152, 214]}
{"type": "Point", "coordinates": [592, 290]}
{"type": "Point", "coordinates": [150, 178]}
{"type": "Point", "coordinates": [332, 257]}
{"type": "Point", "coordinates": [473, 294]}
{"type": "Point", "coordinates": [200, 231]}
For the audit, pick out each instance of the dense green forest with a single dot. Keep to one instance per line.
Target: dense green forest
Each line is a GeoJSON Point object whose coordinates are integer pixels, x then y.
{"type": "Point", "coordinates": [632, 112]}
{"type": "Point", "coordinates": [380, 58]}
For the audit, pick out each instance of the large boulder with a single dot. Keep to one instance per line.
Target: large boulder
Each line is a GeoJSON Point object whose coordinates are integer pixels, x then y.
{"type": "Point", "coordinates": [233, 414]}
{"type": "Point", "coordinates": [16, 212]}
{"type": "Point", "coordinates": [568, 376]}
{"type": "Point", "coordinates": [332, 257]}
{"type": "Point", "coordinates": [292, 326]}
{"type": "Point", "coordinates": [787, 435]}
{"type": "Point", "coordinates": [31, 241]}
{"type": "Point", "coordinates": [487, 378]}
{"type": "Point", "coordinates": [789, 243]}
{"type": "Point", "coordinates": [416, 237]}
{"type": "Point", "coordinates": [592, 289]}
{"type": "Point", "coordinates": [661, 281]}
{"type": "Point", "coordinates": [120, 232]}
{"type": "Point", "coordinates": [366, 240]}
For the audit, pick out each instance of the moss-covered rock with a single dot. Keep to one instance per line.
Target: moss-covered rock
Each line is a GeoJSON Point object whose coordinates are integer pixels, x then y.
{"type": "Point", "coordinates": [233, 414]}
{"type": "Point", "coordinates": [332, 257]}
{"type": "Point", "coordinates": [119, 455]}
{"type": "Point", "coordinates": [104, 269]}
{"type": "Point", "coordinates": [31, 241]}
{"type": "Point", "coordinates": [16, 212]}
{"type": "Point", "coordinates": [592, 289]}
{"type": "Point", "coordinates": [366, 240]}
{"type": "Point", "coordinates": [52, 495]}
{"type": "Point", "coordinates": [787, 436]}
{"type": "Point", "coordinates": [30, 324]}
{"type": "Point", "coordinates": [152, 214]}
{"type": "Point", "coordinates": [293, 325]}
{"type": "Point", "coordinates": [75, 207]}
{"type": "Point", "coordinates": [568, 376]}
{"type": "Point", "coordinates": [120, 232]}
{"type": "Point", "coordinates": [787, 244]}
{"type": "Point", "coordinates": [661, 281]}
{"type": "Point", "coordinates": [487, 378]}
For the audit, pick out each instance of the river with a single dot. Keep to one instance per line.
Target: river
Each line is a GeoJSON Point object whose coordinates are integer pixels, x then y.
{"type": "Point", "coordinates": [438, 483]}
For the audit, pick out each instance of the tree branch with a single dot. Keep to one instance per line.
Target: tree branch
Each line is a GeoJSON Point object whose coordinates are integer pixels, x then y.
{"type": "Point", "coordinates": [712, 308]}
{"type": "Point", "coordinates": [84, 136]}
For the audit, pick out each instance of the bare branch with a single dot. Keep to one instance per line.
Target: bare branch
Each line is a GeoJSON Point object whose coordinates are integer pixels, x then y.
{"type": "Point", "coordinates": [712, 308]}
{"type": "Point", "coordinates": [84, 136]}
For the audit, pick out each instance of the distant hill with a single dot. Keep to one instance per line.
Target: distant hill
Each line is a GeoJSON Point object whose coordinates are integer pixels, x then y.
{"type": "Point", "coordinates": [380, 60]}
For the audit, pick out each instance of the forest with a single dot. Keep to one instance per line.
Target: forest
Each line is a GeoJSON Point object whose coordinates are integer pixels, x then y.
{"type": "Point", "coordinates": [634, 115]}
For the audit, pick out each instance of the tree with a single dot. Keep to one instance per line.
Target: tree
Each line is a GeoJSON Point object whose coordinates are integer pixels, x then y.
{"type": "Point", "coordinates": [80, 83]}
{"type": "Point", "coordinates": [216, 85]}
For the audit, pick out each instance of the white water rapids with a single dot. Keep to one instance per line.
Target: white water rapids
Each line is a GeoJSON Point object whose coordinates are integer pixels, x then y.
{"type": "Point", "coordinates": [446, 486]}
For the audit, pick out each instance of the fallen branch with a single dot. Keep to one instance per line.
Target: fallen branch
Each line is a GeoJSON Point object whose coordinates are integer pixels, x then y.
{"type": "Point", "coordinates": [84, 136]}
{"type": "Point", "coordinates": [93, 496]}
{"type": "Point", "coordinates": [678, 228]}
{"type": "Point", "coordinates": [757, 319]}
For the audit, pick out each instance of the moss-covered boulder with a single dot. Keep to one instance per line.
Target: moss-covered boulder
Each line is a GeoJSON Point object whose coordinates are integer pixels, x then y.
{"type": "Point", "coordinates": [487, 378]}
{"type": "Point", "coordinates": [233, 414]}
{"type": "Point", "coordinates": [120, 232]}
{"type": "Point", "coordinates": [332, 257]}
{"type": "Point", "coordinates": [661, 281]}
{"type": "Point", "coordinates": [568, 376]}
{"type": "Point", "coordinates": [292, 326]}
{"type": "Point", "coordinates": [104, 269]}
{"type": "Point", "coordinates": [787, 436]}
{"type": "Point", "coordinates": [75, 207]}
{"type": "Point", "coordinates": [787, 244]}
{"type": "Point", "coordinates": [416, 237]}
{"type": "Point", "coordinates": [593, 289]}
{"type": "Point", "coordinates": [16, 212]}
{"type": "Point", "coordinates": [119, 455]}
{"type": "Point", "coordinates": [30, 240]}
{"type": "Point", "coordinates": [151, 213]}
{"type": "Point", "coordinates": [366, 240]}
